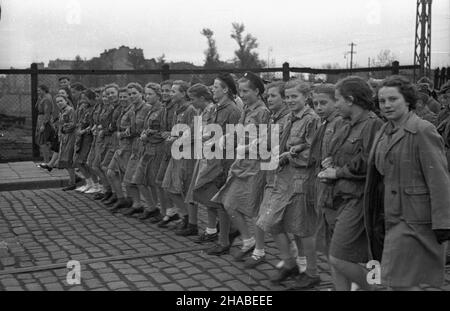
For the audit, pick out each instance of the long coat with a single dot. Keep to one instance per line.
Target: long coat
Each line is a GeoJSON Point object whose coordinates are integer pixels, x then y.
{"type": "Point", "coordinates": [414, 201]}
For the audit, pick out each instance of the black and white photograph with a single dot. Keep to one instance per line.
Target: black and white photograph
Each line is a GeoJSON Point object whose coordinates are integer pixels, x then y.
{"type": "Point", "coordinates": [224, 151]}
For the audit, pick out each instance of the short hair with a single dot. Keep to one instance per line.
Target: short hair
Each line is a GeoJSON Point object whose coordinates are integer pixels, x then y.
{"type": "Point", "coordinates": [251, 84]}
{"type": "Point", "coordinates": [65, 98]}
{"type": "Point", "coordinates": [112, 85]}
{"type": "Point", "coordinates": [44, 88]}
{"type": "Point", "coordinates": [166, 82]}
{"type": "Point", "coordinates": [302, 87]}
{"type": "Point", "coordinates": [123, 90]}
{"type": "Point", "coordinates": [63, 78]}
{"type": "Point", "coordinates": [201, 90]}
{"type": "Point", "coordinates": [182, 85]}
{"type": "Point", "coordinates": [280, 85]}
{"type": "Point", "coordinates": [135, 85]}
{"type": "Point", "coordinates": [326, 88]}
{"type": "Point", "coordinates": [357, 88]}
{"type": "Point", "coordinates": [155, 87]}
{"type": "Point", "coordinates": [426, 80]}
{"type": "Point", "coordinates": [78, 86]}
{"type": "Point", "coordinates": [404, 86]}
{"type": "Point", "coordinates": [89, 93]}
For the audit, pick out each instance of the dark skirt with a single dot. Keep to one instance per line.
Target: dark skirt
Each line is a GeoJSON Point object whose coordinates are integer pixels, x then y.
{"type": "Point", "coordinates": [178, 176]}
{"type": "Point", "coordinates": [101, 146]}
{"type": "Point", "coordinates": [349, 240]}
{"type": "Point", "coordinates": [243, 190]}
{"type": "Point", "coordinates": [119, 161]}
{"type": "Point", "coordinates": [148, 165]}
{"type": "Point", "coordinates": [82, 148]}
{"type": "Point", "coordinates": [65, 157]}
{"type": "Point", "coordinates": [42, 137]}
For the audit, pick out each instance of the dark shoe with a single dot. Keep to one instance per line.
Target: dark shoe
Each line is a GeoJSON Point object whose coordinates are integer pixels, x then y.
{"type": "Point", "coordinates": [69, 188]}
{"type": "Point", "coordinates": [111, 201]}
{"type": "Point", "coordinates": [156, 219]}
{"type": "Point", "coordinates": [188, 231]}
{"type": "Point", "coordinates": [253, 261]}
{"type": "Point", "coordinates": [133, 210]}
{"type": "Point", "coordinates": [148, 214]}
{"type": "Point", "coordinates": [205, 238]}
{"type": "Point", "coordinates": [218, 250]}
{"type": "Point", "coordinates": [99, 196]}
{"type": "Point", "coordinates": [78, 179]}
{"type": "Point", "coordinates": [241, 254]}
{"type": "Point", "coordinates": [107, 195]}
{"type": "Point", "coordinates": [121, 203]}
{"type": "Point", "coordinates": [304, 281]}
{"type": "Point", "coordinates": [284, 273]}
{"type": "Point", "coordinates": [45, 166]}
{"type": "Point", "coordinates": [183, 224]}
{"type": "Point", "coordinates": [166, 220]}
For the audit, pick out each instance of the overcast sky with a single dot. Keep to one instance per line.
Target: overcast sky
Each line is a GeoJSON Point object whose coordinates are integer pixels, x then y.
{"type": "Point", "coordinates": [302, 32]}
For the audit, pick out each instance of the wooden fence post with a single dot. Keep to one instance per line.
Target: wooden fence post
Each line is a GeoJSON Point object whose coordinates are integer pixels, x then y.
{"type": "Point", "coordinates": [286, 71]}
{"type": "Point", "coordinates": [34, 99]}
{"type": "Point", "coordinates": [165, 75]}
{"type": "Point", "coordinates": [395, 67]}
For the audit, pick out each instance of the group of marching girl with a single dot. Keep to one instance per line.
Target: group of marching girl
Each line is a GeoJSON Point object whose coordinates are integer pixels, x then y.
{"type": "Point", "coordinates": [362, 170]}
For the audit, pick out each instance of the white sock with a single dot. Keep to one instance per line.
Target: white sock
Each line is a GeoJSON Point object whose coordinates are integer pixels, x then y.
{"type": "Point", "coordinates": [355, 287]}
{"type": "Point", "coordinates": [259, 252]}
{"type": "Point", "coordinates": [280, 264]}
{"type": "Point", "coordinates": [248, 243]}
{"type": "Point", "coordinates": [211, 230]}
{"type": "Point", "coordinates": [171, 211]}
{"type": "Point", "coordinates": [301, 263]}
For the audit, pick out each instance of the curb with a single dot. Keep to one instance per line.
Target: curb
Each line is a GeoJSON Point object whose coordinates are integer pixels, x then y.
{"type": "Point", "coordinates": [34, 184]}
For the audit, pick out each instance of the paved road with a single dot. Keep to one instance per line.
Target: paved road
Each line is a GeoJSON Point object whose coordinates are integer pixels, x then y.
{"type": "Point", "coordinates": [41, 230]}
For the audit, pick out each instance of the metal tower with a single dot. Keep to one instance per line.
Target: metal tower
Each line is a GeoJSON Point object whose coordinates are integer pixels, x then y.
{"type": "Point", "coordinates": [422, 45]}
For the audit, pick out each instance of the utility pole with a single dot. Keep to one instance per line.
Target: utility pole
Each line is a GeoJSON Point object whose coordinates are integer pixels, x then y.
{"type": "Point", "coordinates": [351, 54]}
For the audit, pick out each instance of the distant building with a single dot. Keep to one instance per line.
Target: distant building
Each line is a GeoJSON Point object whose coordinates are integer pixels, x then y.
{"type": "Point", "coordinates": [60, 64]}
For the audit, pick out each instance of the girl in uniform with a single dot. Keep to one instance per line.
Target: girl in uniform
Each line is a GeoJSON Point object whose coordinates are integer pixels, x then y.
{"type": "Point", "coordinates": [67, 138]}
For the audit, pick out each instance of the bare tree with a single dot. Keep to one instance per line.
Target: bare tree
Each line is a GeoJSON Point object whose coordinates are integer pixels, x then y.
{"type": "Point", "coordinates": [212, 56]}
{"type": "Point", "coordinates": [384, 58]}
{"type": "Point", "coordinates": [245, 57]}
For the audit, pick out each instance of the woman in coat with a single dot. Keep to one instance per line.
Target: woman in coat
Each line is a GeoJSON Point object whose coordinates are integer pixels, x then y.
{"type": "Point", "coordinates": [408, 173]}
{"type": "Point", "coordinates": [67, 138]}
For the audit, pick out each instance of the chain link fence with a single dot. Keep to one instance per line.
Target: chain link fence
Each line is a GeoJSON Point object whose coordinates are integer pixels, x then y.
{"type": "Point", "coordinates": [15, 117]}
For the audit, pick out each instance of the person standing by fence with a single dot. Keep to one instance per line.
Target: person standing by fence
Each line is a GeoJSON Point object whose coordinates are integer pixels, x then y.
{"type": "Point", "coordinates": [44, 107]}
{"type": "Point", "coordinates": [67, 121]}
{"type": "Point", "coordinates": [84, 138]}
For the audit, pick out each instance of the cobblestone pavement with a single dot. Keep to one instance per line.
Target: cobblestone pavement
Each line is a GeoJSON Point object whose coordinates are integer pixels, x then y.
{"type": "Point", "coordinates": [41, 230]}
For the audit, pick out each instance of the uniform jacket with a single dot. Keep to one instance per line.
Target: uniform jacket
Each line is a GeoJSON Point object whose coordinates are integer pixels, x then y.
{"type": "Point", "coordinates": [416, 184]}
